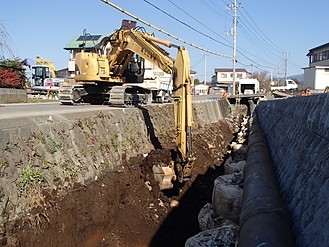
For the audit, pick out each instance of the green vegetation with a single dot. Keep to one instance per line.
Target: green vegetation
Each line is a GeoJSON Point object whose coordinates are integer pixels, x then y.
{"type": "Point", "coordinates": [29, 177]}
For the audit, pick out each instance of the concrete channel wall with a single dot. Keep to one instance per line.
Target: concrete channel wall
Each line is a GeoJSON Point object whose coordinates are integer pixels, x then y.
{"type": "Point", "coordinates": [62, 149]}
{"type": "Point", "coordinates": [8, 95]}
{"type": "Point", "coordinates": [297, 133]}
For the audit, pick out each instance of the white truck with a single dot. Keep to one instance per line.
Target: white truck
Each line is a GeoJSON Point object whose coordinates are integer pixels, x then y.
{"type": "Point", "coordinates": [158, 82]}
{"type": "Point", "coordinates": [248, 86]}
{"type": "Point", "coordinates": [289, 85]}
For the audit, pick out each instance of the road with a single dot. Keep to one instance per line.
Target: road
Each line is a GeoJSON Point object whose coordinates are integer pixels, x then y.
{"type": "Point", "coordinates": [12, 111]}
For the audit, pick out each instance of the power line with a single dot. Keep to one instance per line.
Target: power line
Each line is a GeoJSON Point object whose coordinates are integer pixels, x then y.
{"type": "Point", "coordinates": [163, 31]}
{"type": "Point", "coordinates": [267, 41]}
{"type": "Point", "coordinates": [210, 8]}
{"type": "Point", "coordinates": [257, 39]}
{"type": "Point", "coordinates": [263, 34]}
{"type": "Point", "coordinates": [239, 49]}
{"type": "Point", "coordinates": [198, 21]}
{"type": "Point", "coordinates": [186, 42]}
{"type": "Point", "coordinates": [201, 32]}
{"type": "Point", "coordinates": [185, 24]}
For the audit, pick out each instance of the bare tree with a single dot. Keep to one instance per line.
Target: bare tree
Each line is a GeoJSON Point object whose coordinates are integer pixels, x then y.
{"type": "Point", "coordinates": [264, 79]}
{"type": "Point", "coordinates": [4, 42]}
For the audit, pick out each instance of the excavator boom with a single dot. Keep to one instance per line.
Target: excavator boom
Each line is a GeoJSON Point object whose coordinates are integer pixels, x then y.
{"type": "Point", "coordinates": [181, 167]}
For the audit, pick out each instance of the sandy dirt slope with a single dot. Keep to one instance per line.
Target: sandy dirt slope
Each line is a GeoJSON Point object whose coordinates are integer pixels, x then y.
{"type": "Point", "coordinates": [118, 209]}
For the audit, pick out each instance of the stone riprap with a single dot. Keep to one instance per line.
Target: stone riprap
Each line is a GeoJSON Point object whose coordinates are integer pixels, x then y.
{"type": "Point", "coordinates": [297, 132]}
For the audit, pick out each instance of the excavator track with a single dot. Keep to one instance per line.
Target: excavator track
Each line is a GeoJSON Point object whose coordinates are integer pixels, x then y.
{"type": "Point", "coordinates": [127, 95]}
{"type": "Point", "coordinates": [117, 96]}
{"type": "Point", "coordinates": [66, 95]}
{"type": "Point", "coordinates": [121, 96]}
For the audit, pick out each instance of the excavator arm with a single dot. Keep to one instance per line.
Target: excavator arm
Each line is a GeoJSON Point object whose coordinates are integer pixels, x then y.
{"type": "Point", "coordinates": [129, 42]}
{"type": "Point", "coordinates": [124, 44]}
{"type": "Point", "coordinates": [183, 116]}
{"type": "Point", "coordinates": [181, 167]}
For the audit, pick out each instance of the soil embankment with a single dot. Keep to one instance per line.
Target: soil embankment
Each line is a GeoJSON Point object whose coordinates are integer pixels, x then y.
{"type": "Point", "coordinates": [85, 181]}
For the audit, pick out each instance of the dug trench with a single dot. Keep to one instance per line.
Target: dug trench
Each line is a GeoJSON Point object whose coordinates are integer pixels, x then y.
{"type": "Point", "coordinates": [126, 207]}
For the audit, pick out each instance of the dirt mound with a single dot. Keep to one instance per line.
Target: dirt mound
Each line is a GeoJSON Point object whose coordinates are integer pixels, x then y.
{"type": "Point", "coordinates": [127, 208]}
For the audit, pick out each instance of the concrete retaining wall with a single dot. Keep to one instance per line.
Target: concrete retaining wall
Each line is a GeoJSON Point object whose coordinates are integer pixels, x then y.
{"type": "Point", "coordinates": [60, 150]}
{"type": "Point", "coordinates": [8, 95]}
{"type": "Point", "coordinates": [297, 132]}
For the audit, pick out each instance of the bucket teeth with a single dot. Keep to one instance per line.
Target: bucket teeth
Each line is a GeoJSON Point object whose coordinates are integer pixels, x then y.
{"type": "Point", "coordinates": [164, 175]}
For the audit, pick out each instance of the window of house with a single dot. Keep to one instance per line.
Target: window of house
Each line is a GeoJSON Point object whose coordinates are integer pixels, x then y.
{"type": "Point", "coordinates": [223, 75]}
{"type": "Point", "coordinates": [239, 75]}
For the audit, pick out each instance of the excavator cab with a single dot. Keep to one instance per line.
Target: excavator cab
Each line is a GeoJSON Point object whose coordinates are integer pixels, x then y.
{"type": "Point", "coordinates": [134, 73]}
{"type": "Point", "coordinates": [39, 74]}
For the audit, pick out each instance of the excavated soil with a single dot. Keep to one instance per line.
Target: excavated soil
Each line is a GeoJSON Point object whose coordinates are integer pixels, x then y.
{"type": "Point", "coordinates": [126, 208]}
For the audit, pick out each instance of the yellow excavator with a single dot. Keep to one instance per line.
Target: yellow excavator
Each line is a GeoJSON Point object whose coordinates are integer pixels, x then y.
{"type": "Point", "coordinates": [115, 77]}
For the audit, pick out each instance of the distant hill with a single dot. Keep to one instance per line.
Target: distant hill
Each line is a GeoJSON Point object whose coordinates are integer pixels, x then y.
{"type": "Point", "coordinates": [299, 78]}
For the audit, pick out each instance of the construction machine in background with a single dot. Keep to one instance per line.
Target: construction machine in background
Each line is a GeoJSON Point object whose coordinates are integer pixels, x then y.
{"type": "Point", "coordinates": [41, 61]}
{"type": "Point", "coordinates": [44, 76]}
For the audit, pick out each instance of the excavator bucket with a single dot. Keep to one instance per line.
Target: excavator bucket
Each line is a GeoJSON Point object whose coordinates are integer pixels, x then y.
{"type": "Point", "coordinates": [165, 175]}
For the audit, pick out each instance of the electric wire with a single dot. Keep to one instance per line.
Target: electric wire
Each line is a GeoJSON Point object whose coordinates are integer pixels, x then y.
{"type": "Point", "coordinates": [185, 24]}
{"type": "Point", "coordinates": [163, 31]}
{"type": "Point", "coordinates": [263, 34]}
{"type": "Point", "coordinates": [247, 31]}
{"type": "Point", "coordinates": [209, 7]}
{"type": "Point", "coordinates": [238, 50]}
{"type": "Point", "coordinates": [195, 19]}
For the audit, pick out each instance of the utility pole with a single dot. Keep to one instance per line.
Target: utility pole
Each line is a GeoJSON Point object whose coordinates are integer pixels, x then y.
{"type": "Point", "coordinates": [285, 65]}
{"type": "Point", "coordinates": [234, 6]}
{"type": "Point", "coordinates": [205, 69]}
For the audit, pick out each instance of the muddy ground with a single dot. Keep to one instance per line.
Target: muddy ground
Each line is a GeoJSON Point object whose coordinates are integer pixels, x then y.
{"type": "Point", "coordinates": [126, 208]}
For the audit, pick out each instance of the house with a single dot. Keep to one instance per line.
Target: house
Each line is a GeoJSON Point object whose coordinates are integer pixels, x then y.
{"type": "Point", "coordinates": [316, 75]}
{"type": "Point", "coordinates": [225, 76]}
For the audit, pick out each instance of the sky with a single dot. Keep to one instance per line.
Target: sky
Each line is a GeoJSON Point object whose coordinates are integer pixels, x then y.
{"type": "Point", "coordinates": [270, 34]}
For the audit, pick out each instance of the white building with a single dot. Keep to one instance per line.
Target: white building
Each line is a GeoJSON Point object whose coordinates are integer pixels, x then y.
{"type": "Point", "coordinates": [200, 89]}
{"type": "Point", "coordinates": [225, 75]}
{"type": "Point", "coordinates": [316, 75]}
